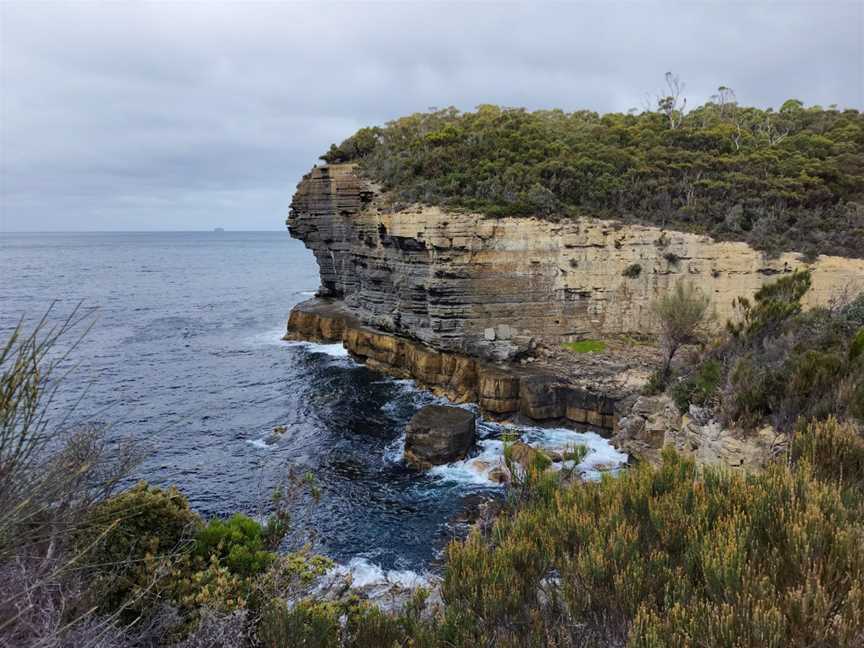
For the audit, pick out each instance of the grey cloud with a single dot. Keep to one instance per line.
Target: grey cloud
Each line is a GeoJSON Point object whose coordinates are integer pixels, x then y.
{"type": "Point", "coordinates": [190, 115]}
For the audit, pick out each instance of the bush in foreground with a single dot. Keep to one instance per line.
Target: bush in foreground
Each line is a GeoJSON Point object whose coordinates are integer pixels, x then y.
{"type": "Point", "coordinates": [672, 556]}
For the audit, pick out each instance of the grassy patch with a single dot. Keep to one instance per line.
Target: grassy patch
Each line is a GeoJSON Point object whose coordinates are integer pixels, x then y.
{"type": "Point", "coordinates": [585, 346]}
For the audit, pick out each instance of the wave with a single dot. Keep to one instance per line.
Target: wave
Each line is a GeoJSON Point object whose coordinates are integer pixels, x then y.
{"type": "Point", "coordinates": [369, 575]}
{"type": "Point", "coordinates": [474, 470]}
{"type": "Point", "coordinates": [332, 350]}
{"type": "Point", "coordinates": [600, 457]}
{"type": "Point", "coordinates": [273, 337]}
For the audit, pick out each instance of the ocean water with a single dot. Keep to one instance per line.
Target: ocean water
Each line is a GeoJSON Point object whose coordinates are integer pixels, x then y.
{"type": "Point", "coordinates": [185, 356]}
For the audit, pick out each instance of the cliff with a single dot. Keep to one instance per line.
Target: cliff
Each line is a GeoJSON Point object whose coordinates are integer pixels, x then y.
{"type": "Point", "coordinates": [445, 278]}
{"type": "Point", "coordinates": [477, 307]}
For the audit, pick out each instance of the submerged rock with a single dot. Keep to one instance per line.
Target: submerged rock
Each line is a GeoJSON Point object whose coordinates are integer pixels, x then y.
{"type": "Point", "coordinates": [438, 434]}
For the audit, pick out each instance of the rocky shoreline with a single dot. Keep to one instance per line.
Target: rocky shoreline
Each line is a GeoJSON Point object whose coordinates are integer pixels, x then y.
{"type": "Point", "coordinates": [587, 393]}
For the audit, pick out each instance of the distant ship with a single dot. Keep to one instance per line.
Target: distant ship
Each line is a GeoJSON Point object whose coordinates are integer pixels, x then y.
{"type": "Point", "coordinates": [218, 229]}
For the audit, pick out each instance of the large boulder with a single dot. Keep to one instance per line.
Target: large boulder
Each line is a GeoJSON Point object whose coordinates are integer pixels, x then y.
{"type": "Point", "coordinates": [438, 434]}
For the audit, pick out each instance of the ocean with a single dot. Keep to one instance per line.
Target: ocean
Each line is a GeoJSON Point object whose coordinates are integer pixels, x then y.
{"type": "Point", "coordinates": [185, 356]}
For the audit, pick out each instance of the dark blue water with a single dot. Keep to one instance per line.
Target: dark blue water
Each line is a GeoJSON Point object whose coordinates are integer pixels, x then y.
{"type": "Point", "coordinates": [186, 357]}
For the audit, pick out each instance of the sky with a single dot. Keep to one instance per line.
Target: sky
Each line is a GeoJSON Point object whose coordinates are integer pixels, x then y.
{"type": "Point", "coordinates": [190, 115]}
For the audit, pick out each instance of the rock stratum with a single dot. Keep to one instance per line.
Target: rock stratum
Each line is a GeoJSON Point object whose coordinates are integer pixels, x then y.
{"type": "Point", "coordinates": [476, 308]}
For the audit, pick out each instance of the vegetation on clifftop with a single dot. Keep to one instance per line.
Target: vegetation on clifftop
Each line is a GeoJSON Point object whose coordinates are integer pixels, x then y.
{"type": "Point", "coordinates": [790, 179]}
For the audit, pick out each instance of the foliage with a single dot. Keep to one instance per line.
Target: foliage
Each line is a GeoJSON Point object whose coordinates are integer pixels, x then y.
{"type": "Point", "coordinates": [51, 475]}
{"type": "Point", "coordinates": [779, 179]}
{"type": "Point", "coordinates": [779, 364]}
{"type": "Point", "coordinates": [238, 541]}
{"type": "Point", "coordinates": [632, 271]}
{"type": "Point", "coordinates": [774, 304]}
{"type": "Point", "coordinates": [657, 557]}
{"type": "Point", "coordinates": [834, 451]}
{"type": "Point", "coordinates": [352, 623]}
{"type": "Point", "coordinates": [698, 388]}
{"type": "Point", "coordinates": [585, 346]}
{"type": "Point", "coordinates": [681, 313]}
{"type": "Point", "coordinates": [130, 541]}
{"type": "Point", "coordinates": [307, 624]}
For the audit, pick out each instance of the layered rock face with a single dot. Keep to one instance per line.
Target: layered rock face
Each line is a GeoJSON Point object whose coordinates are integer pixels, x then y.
{"type": "Point", "coordinates": [539, 391]}
{"type": "Point", "coordinates": [485, 287]}
{"type": "Point", "coordinates": [461, 303]}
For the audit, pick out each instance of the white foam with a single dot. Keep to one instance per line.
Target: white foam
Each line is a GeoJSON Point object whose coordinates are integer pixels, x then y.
{"type": "Point", "coordinates": [366, 574]}
{"type": "Point", "coordinates": [260, 443]}
{"type": "Point", "coordinates": [474, 470]}
{"type": "Point", "coordinates": [394, 452]}
{"type": "Point", "coordinates": [601, 456]}
{"type": "Point", "coordinates": [333, 350]}
{"type": "Point", "coordinates": [273, 337]}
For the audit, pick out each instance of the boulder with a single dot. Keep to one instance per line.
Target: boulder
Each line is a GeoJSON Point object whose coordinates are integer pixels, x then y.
{"type": "Point", "coordinates": [438, 434]}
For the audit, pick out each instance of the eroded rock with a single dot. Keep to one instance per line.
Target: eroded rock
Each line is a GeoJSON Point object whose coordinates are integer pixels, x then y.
{"type": "Point", "coordinates": [654, 422]}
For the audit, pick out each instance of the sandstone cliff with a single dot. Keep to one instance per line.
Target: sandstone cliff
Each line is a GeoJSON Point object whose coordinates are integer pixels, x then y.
{"type": "Point", "coordinates": [476, 308]}
{"type": "Point", "coordinates": [446, 278]}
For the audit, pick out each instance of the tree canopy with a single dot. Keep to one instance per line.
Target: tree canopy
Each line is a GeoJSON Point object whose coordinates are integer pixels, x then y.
{"type": "Point", "coordinates": [787, 179]}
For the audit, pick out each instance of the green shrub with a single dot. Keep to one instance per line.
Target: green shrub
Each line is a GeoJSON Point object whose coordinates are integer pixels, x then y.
{"type": "Point", "coordinates": [238, 541]}
{"type": "Point", "coordinates": [130, 539]}
{"type": "Point", "coordinates": [834, 451]}
{"type": "Point", "coordinates": [773, 304]}
{"type": "Point", "coordinates": [854, 311]}
{"type": "Point", "coordinates": [856, 348]}
{"type": "Point", "coordinates": [669, 556]}
{"type": "Point", "coordinates": [754, 392]}
{"type": "Point", "coordinates": [632, 271]}
{"type": "Point", "coordinates": [308, 624]}
{"type": "Point", "coordinates": [700, 387]}
{"type": "Point", "coordinates": [656, 383]}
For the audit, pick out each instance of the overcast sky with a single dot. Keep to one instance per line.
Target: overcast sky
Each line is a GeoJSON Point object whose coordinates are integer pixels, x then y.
{"type": "Point", "coordinates": [192, 115]}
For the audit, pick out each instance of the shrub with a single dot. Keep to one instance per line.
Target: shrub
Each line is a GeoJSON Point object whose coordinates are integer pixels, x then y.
{"type": "Point", "coordinates": [779, 364]}
{"type": "Point", "coordinates": [657, 557]}
{"type": "Point", "coordinates": [129, 541]}
{"type": "Point", "coordinates": [700, 388]}
{"type": "Point", "coordinates": [856, 348]}
{"type": "Point", "coordinates": [307, 624]}
{"type": "Point", "coordinates": [774, 304]}
{"type": "Point", "coordinates": [854, 311]}
{"type": "Point", "coordinates": [681, 312]}
{"type": "Point", "coordinates": [632, 271]}
{"type": "Point", "coordinates": [834, 451]}
{"type": "Point", "coordinates": [656, 383]}
{"type": "Point", "coordinates": [239, 542]}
